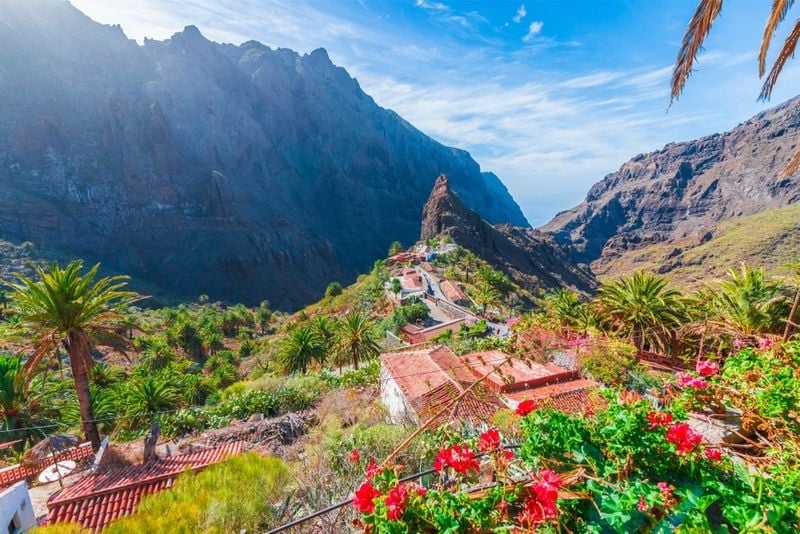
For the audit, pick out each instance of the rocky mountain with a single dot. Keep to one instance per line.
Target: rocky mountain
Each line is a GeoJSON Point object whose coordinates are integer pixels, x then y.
{"type": "Point", "coordinates": [684, 209]}
{"type": "Point", "coordinates": [241, 172]}
{"type": "Point", "coordinates": [531, 258]}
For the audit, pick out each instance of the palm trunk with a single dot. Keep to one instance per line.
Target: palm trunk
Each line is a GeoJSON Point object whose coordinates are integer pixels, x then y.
{"type": "Point", "coordinates": [79, 359]}
{"type": "Point", "coordinates": [790, 321]}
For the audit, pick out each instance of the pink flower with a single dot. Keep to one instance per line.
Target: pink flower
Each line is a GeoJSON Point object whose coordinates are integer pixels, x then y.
{"type": "Point", "coordinates": [688, 381]}
{"type": "Point", "coordinates": [364, 498]}
{"type": "Point", "coordinates": [707, 367]}
{"type": "Point", "coordinates": [659, 419]}
{"type": "Point", "coordinates": [764, 343]}
{"type": "Point", "coordinates": [525, 407]}
{"type": "Point", "coordinates": [489, 441]}
{"type": "Point", "coordinates": [355, 456]}
{"type": "Point", "coordinates": [715, 455]}
{"type": "Point", "coordinates": [683, 437]}
{"type": "Point", "coordinates": [739, 343]}
{"type": "Point", "coordinates": [642, 506]}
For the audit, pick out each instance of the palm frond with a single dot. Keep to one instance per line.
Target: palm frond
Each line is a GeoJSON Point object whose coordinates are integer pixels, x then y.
{"type": "Point", "coordinates": [779, 10]}
{"type": "Point", "coordinates": [787, 51]}
{"type": "Point", "coordinates": [697, 31]}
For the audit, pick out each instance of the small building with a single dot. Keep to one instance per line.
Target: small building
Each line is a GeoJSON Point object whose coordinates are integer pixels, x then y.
{"type": "Point", "coordinates": [94, 501]}
{"type": "Point", "coordinates": [416, 383]}
{"type": "Point", "coordinates": [415, 334]}
{"type": "Point", "coordinates": [455, 293]}
{"type": "Point", "coordinates": [16, 509]}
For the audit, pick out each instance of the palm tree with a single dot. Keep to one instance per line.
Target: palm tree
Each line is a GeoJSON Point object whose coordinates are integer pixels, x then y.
{"type": "Point", "coordinates": [699, 27]}
{"type": "Point", "coordinates": [469, 262]}
{"type": "Point", "coordinates": [395, 248]}
{"type": "Point", "coordinates": [263, 315]}
{"type": "Point", "coordinates": [566, 308]}
{"type": "Point", "coordinates": [148, 396]}
{"type": "Point", "coordinates": [484, 295]}
{"type": "Point", "coordinates": [790, 320]}
{"type": "Point", "coordinates": [748, 303]}
{"type": "Point", "coordinates": [13, 397]}
{"type": "Point", "coordinates": [356, 339]}
{"type": "Point", "coordinates": [395, 286]}
{"type": "Point", "coordinates": [301, 348]}
{"type": "Point", "coordinates": [65, 308]}
{"type": "Point", "coordinates": [325, 328]}
{"type": "Point", "coordinates": [642, 308]}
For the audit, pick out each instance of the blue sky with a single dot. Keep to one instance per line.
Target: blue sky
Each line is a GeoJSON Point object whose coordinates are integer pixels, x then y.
{"type": "Point", "coordinates": [549, 95]}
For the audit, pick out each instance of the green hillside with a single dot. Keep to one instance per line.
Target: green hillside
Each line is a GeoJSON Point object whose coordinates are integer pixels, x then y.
{"type": "Point", "coordinates": [770, 238]}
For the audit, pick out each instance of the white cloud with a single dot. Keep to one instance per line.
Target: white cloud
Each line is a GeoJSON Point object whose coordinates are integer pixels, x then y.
{"type": "Point", "coordinates": [432, 6]}
{"type": "Point", "coordinates": [533, 30]}
{"type": "Point", "coordinates": [521, 14]}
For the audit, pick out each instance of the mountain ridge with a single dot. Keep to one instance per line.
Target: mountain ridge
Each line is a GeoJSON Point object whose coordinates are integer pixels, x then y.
{"type": "Point", "coordinates": [529, 257]}
{"type": "Point", "coordinates": [237, 171]}
{"type": "Point", "coordinates": [682, 193]}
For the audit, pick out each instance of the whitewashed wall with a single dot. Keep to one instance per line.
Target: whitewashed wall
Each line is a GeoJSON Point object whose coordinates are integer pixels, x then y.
{"type": "Point", "coordinates": [400, 412]}
{"type": "Point", "coordinates": [16, 509]}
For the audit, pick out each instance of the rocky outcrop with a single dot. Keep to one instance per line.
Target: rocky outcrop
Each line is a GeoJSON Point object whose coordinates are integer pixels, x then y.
{"type": "Point", "coordinates": [529, 257]}
{"type": "Point", "coordinates": [683, 192]}
{"type": "Point", "coordinates": [241, 172]}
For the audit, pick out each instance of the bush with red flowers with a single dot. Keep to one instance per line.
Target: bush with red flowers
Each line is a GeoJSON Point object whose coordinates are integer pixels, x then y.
{"type": "Point", "coordinates": [627, 468]}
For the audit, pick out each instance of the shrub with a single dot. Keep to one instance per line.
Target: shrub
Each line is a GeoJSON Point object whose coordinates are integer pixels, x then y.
{"type": "Point", "coordinates": [244, 493]}
{"type": "Point", "coordinates": [334, 289]}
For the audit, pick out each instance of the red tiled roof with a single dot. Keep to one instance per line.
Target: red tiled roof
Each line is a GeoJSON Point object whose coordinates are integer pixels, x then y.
{"type": "Point", "coordinates": [516, 374]}
{"type": "Point", "coordinates": [96, 501]}
{"type": "Point", "coordinates": [431, 378]}
{"type": "Point", "coordinates": [452, 291]}
{"type": "Point", "coordinates": [15, 473]}
{"type": "Point", "coordinates": [426, 334]}
{"type": "Point", "coordinates": [568, 397]}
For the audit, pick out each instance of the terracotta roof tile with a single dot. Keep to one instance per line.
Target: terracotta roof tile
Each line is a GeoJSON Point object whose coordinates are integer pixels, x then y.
{"type": "Point", "coordinates": [569, 397]}
{"type": "Point", "coordinates": [516, 374]}
{"type": "Point", "coordinates": [96, 501]}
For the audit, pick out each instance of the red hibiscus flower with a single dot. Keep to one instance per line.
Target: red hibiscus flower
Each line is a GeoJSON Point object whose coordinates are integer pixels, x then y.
{"type": "Point", "coordinates": [659, 419]}
{"type": "Point", "coordinates": [460, 457]}
{"type": "Point", "coordinates": [396, 502]}
{"type": "Point", "coordinates": [355, 456]}
{"type": "Point", "coordinates": [525, 407]}
{"type": "Point", "coordinates": [684, 438]}
{"type": "Point", "coordinates": [715, 455]}
{"type": "Point", "coordinates": [707, 367]}
{"type": "Point", "coordinates": [489, 441]}
{"type": "Point", "coordinates": [364, 498]}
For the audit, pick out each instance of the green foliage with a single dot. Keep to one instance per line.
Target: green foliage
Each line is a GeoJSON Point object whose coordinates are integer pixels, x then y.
{"type": "Point", "coordinates": [642, 308]}
{"type": "Point", "coordinates": [334, 289]}
{"type": "Point", "coordinates": [300, 349]}
{"type": "Point", "coordinates": [609, 361]}
{"type": "Point", "coordinates": [396, 248]}
{"type": "Point", "coordinates": [355, 339]}
{"type": "Point", "coordinates": [749, 303]}
{"type": "Point", "coordinates": [413, 311]}
{"type": "Point", "coordinates": [245, 493]}
{"type": "Point", "coordinates": [565, 308]}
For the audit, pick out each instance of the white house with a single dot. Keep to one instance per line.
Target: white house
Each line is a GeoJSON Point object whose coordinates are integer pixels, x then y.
{"type": "Point", "coordinates": [16, 510]}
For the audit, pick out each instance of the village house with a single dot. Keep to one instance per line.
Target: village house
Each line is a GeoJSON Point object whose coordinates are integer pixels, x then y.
{"type": "Point", "coordinates": [94, 501]}
{"type": "Point", "coordinates": [417, 384]}
{"type": "Point", "coordinates": [415, 334]}
{"type": "Point", "coordinates": [455, 293]}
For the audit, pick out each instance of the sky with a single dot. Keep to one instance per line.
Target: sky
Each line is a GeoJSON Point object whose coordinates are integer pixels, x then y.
{"type": "Point", "coordinates": [549, 95]}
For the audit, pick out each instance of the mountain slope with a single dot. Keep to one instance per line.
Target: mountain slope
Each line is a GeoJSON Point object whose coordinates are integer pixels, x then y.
{"type": "Point", "coordinates": [676, 198]}
{"type": "Point", "coordinates": [241, 172]}
{"type": "Point", "coordinates": [529, 257]}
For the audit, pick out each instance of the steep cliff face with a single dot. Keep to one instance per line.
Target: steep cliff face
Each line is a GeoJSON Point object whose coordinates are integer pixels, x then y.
{"type": "Point", "coordinates": [682, 193]}
{"type": "Point", "coordinates": [529, 257]}
{"type": "Point", "coordinates": [237, 171]}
